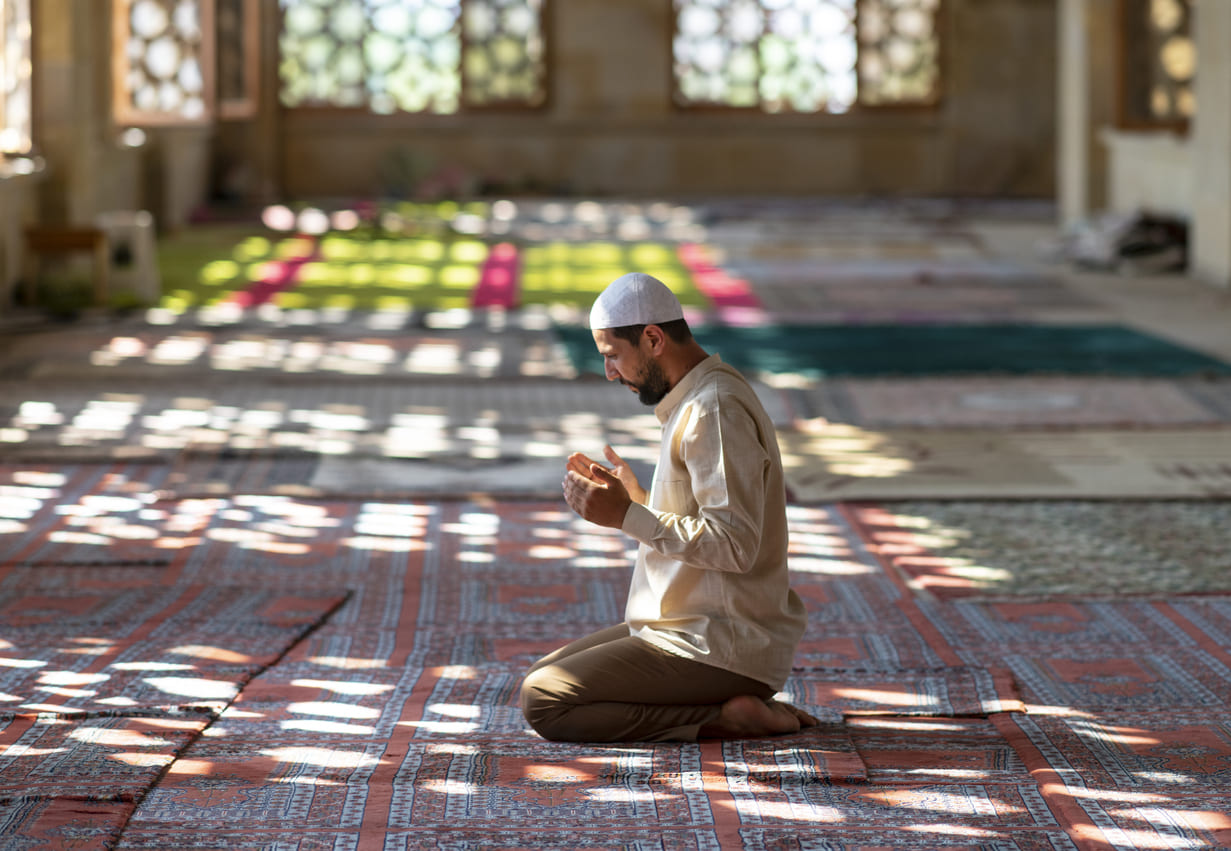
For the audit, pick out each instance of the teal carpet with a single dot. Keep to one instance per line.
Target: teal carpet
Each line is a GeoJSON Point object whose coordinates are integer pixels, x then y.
{"type": "Point", "coordinates": [864, 350]}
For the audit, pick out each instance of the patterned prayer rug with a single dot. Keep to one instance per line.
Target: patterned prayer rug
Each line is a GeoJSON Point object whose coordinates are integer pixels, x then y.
{"type": "Point", "coordinates": [405, 720]}
{"type": "Point", "coordinates": [148, 650]}
{"type": "Point", "coordinates": [910, 296]}
{"type": "Point", "coordinates": [829, 462]}
{"type": "Point", "coordinates": [1014, 402]}
{"type": "Point", "coordinates": [105, 758]}
{"type": "Point", "coordinates": [395, 720]}
{"type": "Point", "coordinates": [75, 823]}
{"type": "Point", "coordinates": [474, 345]}
{"type": "Point", "coordinates": [1054, 549]}
{"type": "Point", "coordinates": [1137, 779]}
{"type": "Point", "coordinates": [102, 689]}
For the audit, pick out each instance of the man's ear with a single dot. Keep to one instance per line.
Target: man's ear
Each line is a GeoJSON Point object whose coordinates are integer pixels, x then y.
{"type": "Point", "coordinates": [656, 337]}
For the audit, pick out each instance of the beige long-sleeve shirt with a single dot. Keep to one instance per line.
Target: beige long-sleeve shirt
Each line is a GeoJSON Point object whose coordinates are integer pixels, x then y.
{"type": "Point", "coordinates": [711, 581]}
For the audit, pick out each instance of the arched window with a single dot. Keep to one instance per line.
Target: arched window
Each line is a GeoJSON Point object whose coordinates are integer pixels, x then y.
{"type": "Point", "coordinates": [422, 56]}
{"type": "Point", "coordinates": [805, 56]}
{"type": "Point", "coordinates": [16, 77]}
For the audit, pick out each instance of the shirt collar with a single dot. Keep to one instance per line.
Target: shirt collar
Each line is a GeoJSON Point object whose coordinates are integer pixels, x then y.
{"type": "Point", "coordinates": [683, 387]}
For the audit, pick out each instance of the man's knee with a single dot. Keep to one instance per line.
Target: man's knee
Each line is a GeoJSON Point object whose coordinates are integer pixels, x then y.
{"type": "Point", "coordinates": [542, 706]}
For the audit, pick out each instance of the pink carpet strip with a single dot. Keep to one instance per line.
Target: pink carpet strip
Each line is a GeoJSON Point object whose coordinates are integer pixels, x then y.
{"type": "Point", "coordinates": [498, 280]}
{"type": "Point", "coordinates": [732, 297]}
{"type": "Point", "coordinates": [276, 276]}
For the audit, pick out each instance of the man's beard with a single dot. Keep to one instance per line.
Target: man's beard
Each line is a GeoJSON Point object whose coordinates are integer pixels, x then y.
{"type": "Point", "coordinates": [652, 384]}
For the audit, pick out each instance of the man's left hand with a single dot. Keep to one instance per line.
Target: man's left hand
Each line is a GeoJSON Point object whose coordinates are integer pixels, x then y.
{"type": "Point", "coordinates": [599, 497]}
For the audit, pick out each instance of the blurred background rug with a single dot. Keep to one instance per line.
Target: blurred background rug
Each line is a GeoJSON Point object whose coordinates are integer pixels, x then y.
{"type": "Point", "coordinates": [1010, 349]}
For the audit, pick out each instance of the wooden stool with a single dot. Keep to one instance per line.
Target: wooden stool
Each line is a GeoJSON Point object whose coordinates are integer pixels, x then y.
{"type": "Point", "coordinates": [44, 241]}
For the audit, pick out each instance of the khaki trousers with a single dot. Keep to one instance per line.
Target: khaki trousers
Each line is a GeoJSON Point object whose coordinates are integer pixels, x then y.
{"type": "Point", "coordinates": [613, 687]}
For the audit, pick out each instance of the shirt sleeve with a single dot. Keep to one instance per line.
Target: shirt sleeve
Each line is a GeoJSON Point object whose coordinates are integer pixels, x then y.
{"type": "Point", "coordinates": [726, 462]}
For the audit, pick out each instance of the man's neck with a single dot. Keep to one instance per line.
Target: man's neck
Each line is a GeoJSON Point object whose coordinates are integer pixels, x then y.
{"type": "Point", "coordinates": [685, 361]}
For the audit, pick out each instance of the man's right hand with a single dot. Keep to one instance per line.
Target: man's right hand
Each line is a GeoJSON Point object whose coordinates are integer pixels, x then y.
{"type": "Point", "coordinates": [580, 464]}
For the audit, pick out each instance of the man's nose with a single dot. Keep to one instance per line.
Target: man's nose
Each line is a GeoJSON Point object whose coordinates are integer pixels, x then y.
{"type": "Point", "coordinates": [612, 375]}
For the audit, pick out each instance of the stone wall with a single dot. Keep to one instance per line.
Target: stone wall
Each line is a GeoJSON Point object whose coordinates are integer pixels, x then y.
{"type": "Point", "coordinates": [611, 128]}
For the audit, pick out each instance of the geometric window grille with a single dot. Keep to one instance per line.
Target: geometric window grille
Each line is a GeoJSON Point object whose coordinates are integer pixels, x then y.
{"type": "Point", "coordinates": [419, 56]}
{"type": "Point", "coordinates": [1158, 63]}
{"type": "Point", "coordinates": [805, 56]}
{"type": "Point", "coordinates": [16, 79]}
{"type": "Point", "coordinates": [163, 61]}
{"type": "Point", "coordinates": [899, 52]}
{"type": "Point", "coordinates": [238, 53]}
{"type": "Point", "coordinates": [504, 55]}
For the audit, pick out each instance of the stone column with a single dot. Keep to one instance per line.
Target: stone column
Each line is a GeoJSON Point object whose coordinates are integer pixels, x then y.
{"type": "Point", "coordinates": [1085, 104]}
{"type": "Point", "coordinates": [1073, 120]}
{"type": "Point", "coordinates": [15, 203]}
{"type": "Point", "coordinates": [1210, 238]}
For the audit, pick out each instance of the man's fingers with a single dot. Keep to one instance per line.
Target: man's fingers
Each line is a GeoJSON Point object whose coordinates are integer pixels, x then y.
{"type": "Point", "coordinates": [573, 490]}
{"type": "Point", "coordinates": [601, 474]}
{"type": "Point", "coordinates": [612, 456]}
{"type": "Point", "coordinates": [577, 486]}
{"type": "Point", "coordinates": [579, 462]}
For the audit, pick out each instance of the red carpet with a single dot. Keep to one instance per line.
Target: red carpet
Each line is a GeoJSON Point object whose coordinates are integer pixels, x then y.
{"type": "Point", "coordinates": [391, 721]}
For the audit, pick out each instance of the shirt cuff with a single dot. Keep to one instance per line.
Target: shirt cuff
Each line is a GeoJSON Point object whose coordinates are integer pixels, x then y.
{"type": "Point", "coordinates": [640, 523]}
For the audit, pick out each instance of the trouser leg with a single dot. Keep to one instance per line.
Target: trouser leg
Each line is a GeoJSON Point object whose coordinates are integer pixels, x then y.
{"type": "Point", "coordinates": [612, 687]}
{"type": "Point", "coordinates": [603, 636]}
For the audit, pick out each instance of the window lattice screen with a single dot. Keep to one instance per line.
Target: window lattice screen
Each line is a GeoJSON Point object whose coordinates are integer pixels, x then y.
{"type": "Point", "coordinates": [163, 61]}
{"type": "Point", "coordinates": [1158, 63]}
{"type": "Point", "coordinates": [435, 56]}
{"type": "Point", "coordinates": [505, 53]}
{"type": "Point", "coordinates": [806, 55]}
{"type": "Point", "coordinates": [899, 51]}
{"type": "Point", "coordinates": [16, 77]}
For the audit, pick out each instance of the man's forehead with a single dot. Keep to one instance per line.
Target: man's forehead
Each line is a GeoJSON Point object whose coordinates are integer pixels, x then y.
{"type": "Point", "coordinates": [605, 340]}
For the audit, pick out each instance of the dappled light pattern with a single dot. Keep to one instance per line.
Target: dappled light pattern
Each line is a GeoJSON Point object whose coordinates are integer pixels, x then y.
{"type": "Point", "coordinates": [391, 264]}
{"type": "Point", "coordinates": [422, 352]}
{"type": "Point", "coordinates": [964, 549]}
{"type": "Point", "coordinates": [573, 274]}
{"type": "Point", "coordinates": [272, 570]}
{"type": "Point", "coordinates": [843, 452]}
{"type": "Point", "coordinates": [400, 709]}
{"type": "Point", "coordinates": [252, 439]}
{"type": "Point", "coordinates": [356, 274]}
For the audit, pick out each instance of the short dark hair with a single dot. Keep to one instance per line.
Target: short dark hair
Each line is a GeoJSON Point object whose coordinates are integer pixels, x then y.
{"type": "Point", "coordinates": [676, 329]}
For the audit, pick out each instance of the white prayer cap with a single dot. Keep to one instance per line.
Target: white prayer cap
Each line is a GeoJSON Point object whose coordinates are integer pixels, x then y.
{"type": "Point", "coordinates": [634, 299]}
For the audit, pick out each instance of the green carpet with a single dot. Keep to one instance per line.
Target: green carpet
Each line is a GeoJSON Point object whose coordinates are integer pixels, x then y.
{"type": "Point", "coordinates": [864, 350]}
{"type": "Point", "coordinates": [575, 273]}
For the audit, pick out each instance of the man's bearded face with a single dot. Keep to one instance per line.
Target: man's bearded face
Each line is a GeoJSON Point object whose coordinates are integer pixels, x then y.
{"type": "Point", "coordinates": [650, 382]}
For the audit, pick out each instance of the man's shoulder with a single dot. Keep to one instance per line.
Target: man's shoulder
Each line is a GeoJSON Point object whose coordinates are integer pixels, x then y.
{"type": "Point", "coordinates": [721, 385]}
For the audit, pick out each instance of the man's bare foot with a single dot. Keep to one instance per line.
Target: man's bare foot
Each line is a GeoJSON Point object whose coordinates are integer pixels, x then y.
{"type": "Point", "coordinates": [747, 717]}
